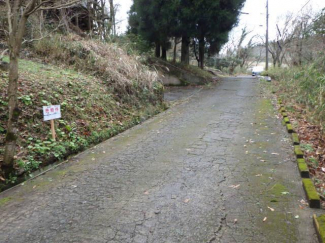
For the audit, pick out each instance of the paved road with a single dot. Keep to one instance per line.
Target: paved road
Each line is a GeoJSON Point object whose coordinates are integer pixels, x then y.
{"type": "Point", "coordinates": [208, 170]}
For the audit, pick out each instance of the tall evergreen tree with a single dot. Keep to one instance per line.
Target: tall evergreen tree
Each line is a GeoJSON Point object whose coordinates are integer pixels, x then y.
{"type": "Point", "coordinates": [214, 20]}
{"type": "Point", "coordinates": [207, 22]}
{"type": "Point", "coordinates": [154, 20]}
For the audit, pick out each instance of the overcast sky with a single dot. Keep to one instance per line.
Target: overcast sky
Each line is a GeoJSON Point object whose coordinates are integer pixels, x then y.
{"type": "Point", "coordinates": [255, 8]}
{"type": "Point", "coordinates": [277, 10]}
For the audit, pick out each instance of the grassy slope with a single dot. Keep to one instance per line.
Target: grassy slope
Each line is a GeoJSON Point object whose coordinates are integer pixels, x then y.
{"type": "Point", "coordinates": [92, 110]}
{"type": "Point", "coordinates": [303, 86]}
{"type": "Point", "coordinates": [195, 70]}
{"type": "Point", "coordinates": [175, 69]}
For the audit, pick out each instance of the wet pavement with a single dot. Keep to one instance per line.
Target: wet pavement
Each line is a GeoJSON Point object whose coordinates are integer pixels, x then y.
{"type": "Point", "coordinates": [216, 167]}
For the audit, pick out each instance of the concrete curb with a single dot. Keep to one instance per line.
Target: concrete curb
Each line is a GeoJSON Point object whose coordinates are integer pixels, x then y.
{"type": "Point", "coordinates": [319, 223]}
{"type": "Point", "coordinates": [303, 168]}
{"type": "Point", "coordinates": [311, 193]}
{"type": "Point", "coordinates": [298, 152]}
{"type": "Point", "coordinates": [289, 128]}
{"type": "Point", "coordinates": [295, 139]}
{"type": "Point", "coordinates": [286, 120]}
{"type": "Point", "coordinates": [307, 183]}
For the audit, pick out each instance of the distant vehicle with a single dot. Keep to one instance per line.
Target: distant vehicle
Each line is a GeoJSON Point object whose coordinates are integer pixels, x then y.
{"type": "Point", "coordinates": [257, 71]}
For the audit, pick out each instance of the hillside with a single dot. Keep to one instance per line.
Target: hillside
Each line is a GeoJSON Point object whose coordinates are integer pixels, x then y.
{"type": "Point", "coordinates": [100, 88]}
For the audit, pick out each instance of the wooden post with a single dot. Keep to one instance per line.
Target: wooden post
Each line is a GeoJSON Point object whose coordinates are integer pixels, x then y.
{"type": "Point", "coordinates": [53, 130]}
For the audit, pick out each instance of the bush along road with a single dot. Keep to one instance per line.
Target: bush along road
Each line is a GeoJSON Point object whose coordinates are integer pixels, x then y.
{"type": "Point", "coordinates": [218, 167]}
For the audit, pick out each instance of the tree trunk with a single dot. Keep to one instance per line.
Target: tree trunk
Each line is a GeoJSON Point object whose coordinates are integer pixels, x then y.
{"type": "Point", "coordinates": [185, 56]}
{"type": "Point", "coordinates": [300, 52]}
{"type": "Point", "coordinates": [12, 125]}
{"type": "Point", "coordinates": [65, 19]}
{"type": "Point", "coordinates": [175, 49]}
{"type": "Point", "coordinates": [90, 17]}
{"type": "Point", "coordinates": [41, 22]}
{"type": "Point", "coordinates": [164, 52]}
{"type": "Point", "coordinates": [112, 17]}
{"type": "Point", "coordinates": [17, 30]}
{"type": "Point", "coordinates": [195, 53]}
{"type": "Point", "coordinates": [201, 52]}
{"type": "Point", "coordinates": [157, 51]}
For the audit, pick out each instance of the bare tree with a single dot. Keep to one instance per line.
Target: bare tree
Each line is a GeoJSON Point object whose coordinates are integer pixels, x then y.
{"type": "Point", "coordinates": [18, 12]}
{"type": "Point", "coordinates": [237, 52]}
{"type": "Point", "coordinates": [306, 43]}
{"type": "Point", "coordinates": [102, 17]}
{"type": "Point", "coordinates": [284, 37]}
{"type": "Point", "coordinates": [297, 41]}
{"type": "Point", "coordinates": [243, 53]}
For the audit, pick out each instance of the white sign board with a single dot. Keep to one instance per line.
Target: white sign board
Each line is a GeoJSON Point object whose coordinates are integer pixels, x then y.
{"type": "Point", "coordinates": [51, 112]}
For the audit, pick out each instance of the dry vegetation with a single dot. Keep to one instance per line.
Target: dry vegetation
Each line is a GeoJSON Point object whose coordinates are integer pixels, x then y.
{"type": "Point", "coordinates": [109, 62]}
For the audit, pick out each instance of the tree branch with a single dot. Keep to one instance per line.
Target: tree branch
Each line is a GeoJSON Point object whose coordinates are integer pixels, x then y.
{"type": "Point", "coordinates": [58, 6]}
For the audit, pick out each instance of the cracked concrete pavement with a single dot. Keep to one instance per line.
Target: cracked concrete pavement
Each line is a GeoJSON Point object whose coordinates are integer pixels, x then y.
{"type": "Point", "coordinates": [217, 167]}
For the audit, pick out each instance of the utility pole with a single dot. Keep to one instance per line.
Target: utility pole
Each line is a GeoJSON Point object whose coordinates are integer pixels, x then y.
{"type": "Point", "coordinates": [267, 36]}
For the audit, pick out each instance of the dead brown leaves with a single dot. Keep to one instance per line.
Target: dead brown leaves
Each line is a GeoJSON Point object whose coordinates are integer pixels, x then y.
{"type": "Point", "coordinates": [313, 136]}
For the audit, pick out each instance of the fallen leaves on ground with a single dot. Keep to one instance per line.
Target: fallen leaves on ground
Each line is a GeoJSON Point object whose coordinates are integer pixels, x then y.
{"type": "Point", "coordinates": [313, 136]}
{"type": "Point", "coordinates": [303, 204]}
{"type": "Point", "coordinates": [235, 186]}
{"type": "Point", "coordinates": [264, 219]}
{"type": "Point", "coordinates": [272, 209]}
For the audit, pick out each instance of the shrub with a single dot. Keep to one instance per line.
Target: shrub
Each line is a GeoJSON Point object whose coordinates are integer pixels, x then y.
{"type": "Point", "coordinates": [305, 86]}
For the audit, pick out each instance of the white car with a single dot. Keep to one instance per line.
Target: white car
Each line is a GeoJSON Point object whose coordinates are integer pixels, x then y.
{"type": "Point", "coordinates": [257, 70]}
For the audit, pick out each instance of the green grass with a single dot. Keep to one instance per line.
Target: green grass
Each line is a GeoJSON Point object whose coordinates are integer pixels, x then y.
{"type": "Point", "coordinates": [307, 147]}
